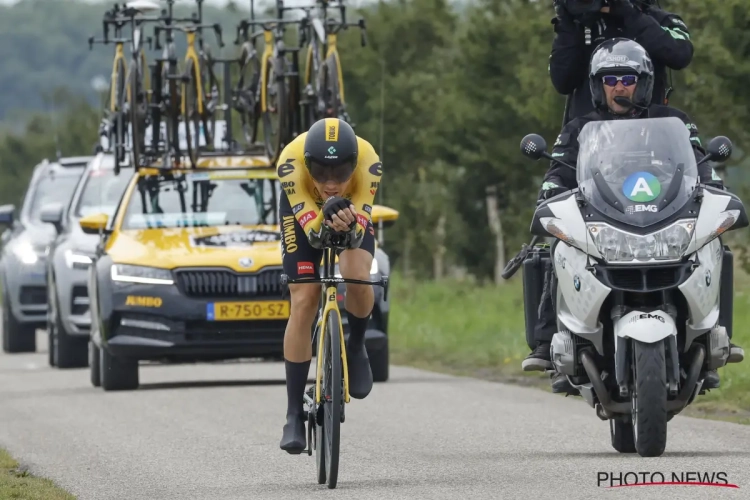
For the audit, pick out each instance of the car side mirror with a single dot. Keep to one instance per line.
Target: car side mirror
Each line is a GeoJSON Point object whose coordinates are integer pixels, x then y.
{"type": "Point", "coordinates": [719, 149]}
{"type": "Point", "coordinates": [94, 224]}
{"type": "Point", "coordinates": [534, 146]}
{"type": "Point", "coordinates": [52, 214]}
{"type": "Point", "coordinates": [6, 214]}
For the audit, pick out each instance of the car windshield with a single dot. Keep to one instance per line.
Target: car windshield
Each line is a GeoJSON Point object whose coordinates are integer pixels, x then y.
{"type": "Point", "coordinates": [638, 172]}
{"type": "Point", "coordinates": [101, 192]}
{"type": "Point", "coordinates": [52, 189]}
{"type": "Point", "coordinates": [202, 199]}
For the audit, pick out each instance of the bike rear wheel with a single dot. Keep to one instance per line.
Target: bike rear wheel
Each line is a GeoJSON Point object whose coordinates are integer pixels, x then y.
{"type": "Point", "coordinates": [333, 388]}
{"type": "Point", "coordinates": [119, 118]}
{"type": "Point", "coordinates": [192, 115]}
{"type": "Point", "coordinates": [211, 99]}
{"type": "Point", "coordinates": [137, 120]}
{"type": "Point", "coordinates": [329, 88]}
{"type": "Point", "coordinates": [245, 97]}
{"type": "Point", "coordinates": [275, 117]}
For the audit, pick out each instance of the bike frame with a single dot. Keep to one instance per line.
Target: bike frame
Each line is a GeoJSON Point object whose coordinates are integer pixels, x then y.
{"type": "Point", "coordinates": [191, 55]}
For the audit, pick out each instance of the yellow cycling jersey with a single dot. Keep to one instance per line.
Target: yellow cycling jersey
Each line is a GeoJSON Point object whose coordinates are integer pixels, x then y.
{"type": "Point", "coordinates": [307, 202]}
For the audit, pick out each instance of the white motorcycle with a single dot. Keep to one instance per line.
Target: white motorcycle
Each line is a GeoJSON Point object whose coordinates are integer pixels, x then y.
{"type": "Point", "coordinates": [638, 259]}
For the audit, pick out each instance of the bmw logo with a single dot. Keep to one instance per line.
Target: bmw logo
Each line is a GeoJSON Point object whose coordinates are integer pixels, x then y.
{"type": "Point", "coordinates": [708, 278]}
{"type": "Point", "coordinates": [246, 262]}
{"type": "Point", "coordinates": [577, 283]}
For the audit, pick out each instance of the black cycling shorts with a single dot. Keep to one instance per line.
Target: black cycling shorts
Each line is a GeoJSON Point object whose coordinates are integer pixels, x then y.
{"type": "Point", "coordinates": [300, 258]}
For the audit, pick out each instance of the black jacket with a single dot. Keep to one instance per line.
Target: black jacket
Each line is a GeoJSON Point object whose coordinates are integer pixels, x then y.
{"type": "Point", "coordinates": [664, 36]}
{"type": "Point", "coordinates": [566, 146]}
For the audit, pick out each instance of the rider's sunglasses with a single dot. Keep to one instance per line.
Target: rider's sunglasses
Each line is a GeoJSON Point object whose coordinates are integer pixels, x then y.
{"type": "Point", "coordinates": [324, 173]}
{"type": "Point", "coordinates": [627, 80]}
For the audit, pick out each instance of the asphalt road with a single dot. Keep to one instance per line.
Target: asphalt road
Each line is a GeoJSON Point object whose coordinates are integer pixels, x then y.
{"type": "Point", "coordinates": [212, 432]}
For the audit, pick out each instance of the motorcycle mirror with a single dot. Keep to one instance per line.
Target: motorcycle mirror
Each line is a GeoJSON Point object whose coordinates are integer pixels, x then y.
{"type": "Point", "coordinates": [719, 149]}
{"type": "Point", "coordinates": [533, 146]}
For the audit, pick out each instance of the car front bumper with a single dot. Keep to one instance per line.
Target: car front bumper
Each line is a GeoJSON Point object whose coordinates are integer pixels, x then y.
{"type": "Point", "coordinates": [26, 286]}
{"type": "Point", "coordinates": [157, 321]}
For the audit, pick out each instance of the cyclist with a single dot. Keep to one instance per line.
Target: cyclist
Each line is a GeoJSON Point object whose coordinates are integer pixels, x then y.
{"type": "Point", "coordinates": [619, 68]}
{"type": "Point", "coordinates": [330, 177]}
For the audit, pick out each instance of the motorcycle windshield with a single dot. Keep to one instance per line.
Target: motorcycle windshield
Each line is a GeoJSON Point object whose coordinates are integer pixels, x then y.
{"type": "Point", "coordinates": [638, 171]}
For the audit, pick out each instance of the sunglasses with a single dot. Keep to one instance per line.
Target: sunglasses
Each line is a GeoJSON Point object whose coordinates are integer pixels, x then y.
{"type": "Point", "coordinates": [338, 174]}
{"type": "Point", "coordinates": [627, 80]}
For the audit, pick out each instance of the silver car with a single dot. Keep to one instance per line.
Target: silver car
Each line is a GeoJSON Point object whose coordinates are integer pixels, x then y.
{"type": "Point", "coordinates": [24, 243]}
{"type": "Point", "coordinates": [69, 257]}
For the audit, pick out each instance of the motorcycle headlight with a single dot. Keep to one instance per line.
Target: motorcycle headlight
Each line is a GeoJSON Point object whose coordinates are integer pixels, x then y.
{"type": "Point", "coordinates": [667, 244]}
{"type": "Point", "coordinates": [26, 252]}
{"type": "Point", "coordinates": [126, 273]}
{"type": "Point", "coordinates": [77, 260]}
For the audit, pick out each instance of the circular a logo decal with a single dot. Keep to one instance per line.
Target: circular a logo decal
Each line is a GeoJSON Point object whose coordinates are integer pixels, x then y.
{"type": "Point", "coordinates": [641, 187]}
{"type": "Point", "coordinates": [246, 262]}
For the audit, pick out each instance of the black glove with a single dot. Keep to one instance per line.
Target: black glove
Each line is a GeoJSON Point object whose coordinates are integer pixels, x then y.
{"type": "Point", "coordinates": [550, 189]}
{"type": "Point", "coordinates": [562, 13]}
{"type": "Point", "coordinates": [623, 9]}
{"type": "Point", "coordinates": [334, 205]}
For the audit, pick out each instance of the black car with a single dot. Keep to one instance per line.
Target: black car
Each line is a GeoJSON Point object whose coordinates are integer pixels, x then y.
{"type": "Point", "coordinates": [24, 245]}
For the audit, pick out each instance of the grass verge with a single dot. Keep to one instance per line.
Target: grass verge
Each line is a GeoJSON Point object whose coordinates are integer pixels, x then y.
{"type": "Point", "coordinates": [17, 483]}
{"type": "Point", "coordinates": [466, 329]}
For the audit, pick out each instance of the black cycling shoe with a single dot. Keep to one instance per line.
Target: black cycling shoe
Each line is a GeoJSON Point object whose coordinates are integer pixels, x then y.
{"type": "Point", "coordinates": [293, 439]}
{"type": "Point", "coordinates": [538, 360]}
{"type": "Point", "coordinates": [711, 380]}
{"type": "Point", "coordinates": [360, 373]}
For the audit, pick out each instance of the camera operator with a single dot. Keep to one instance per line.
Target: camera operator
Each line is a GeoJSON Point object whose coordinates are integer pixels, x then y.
{"type": "Point", "coordinates": [581, 25]}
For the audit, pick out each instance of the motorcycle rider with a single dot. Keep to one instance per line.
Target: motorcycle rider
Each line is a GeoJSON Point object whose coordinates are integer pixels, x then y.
{"type": "Point", "coordinates": [664, 36]}
{"type": "Point", "coordinates": [620, 68]}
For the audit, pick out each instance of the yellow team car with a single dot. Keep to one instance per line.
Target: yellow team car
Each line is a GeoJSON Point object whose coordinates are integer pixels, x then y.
{"type": "Point", "coordinates": [188, 270]}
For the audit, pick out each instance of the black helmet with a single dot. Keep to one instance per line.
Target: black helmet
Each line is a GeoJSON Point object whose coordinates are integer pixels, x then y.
{"type": "Point", "coordinates": [331, 150]}
{"type": "Point", "coordinates": [620, 56]}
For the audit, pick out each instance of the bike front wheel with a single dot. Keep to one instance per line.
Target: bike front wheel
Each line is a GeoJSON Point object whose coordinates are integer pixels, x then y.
{"type": "Point", "coordinates": [332, 386]}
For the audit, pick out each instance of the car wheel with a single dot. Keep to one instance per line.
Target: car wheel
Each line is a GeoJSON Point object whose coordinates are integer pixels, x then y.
{"type": "Point", "coordinates": [70, 352]}
{"type": "Point", "coordinates": [118, 374]}
{"type": "Point", "coordinates": [95, 364]}
{"type": "Point", "coordinates": [17, 337]}
{"type": "Point", "coordinates": [50, 345]}
{"type": "Point", "coordinates": [379, 363]}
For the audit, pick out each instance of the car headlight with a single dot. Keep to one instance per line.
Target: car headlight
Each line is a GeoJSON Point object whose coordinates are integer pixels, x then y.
{"type": "Point", "coordinates": [667, 244]}
{"type": "Point", "coordinates": [337, 273]}
{"type": "Point", "coordinates": [141, 274]}
{"type": "Point", "coordinates": [77, 260]}
{"type": "Point", "coordinates": [26, 252]}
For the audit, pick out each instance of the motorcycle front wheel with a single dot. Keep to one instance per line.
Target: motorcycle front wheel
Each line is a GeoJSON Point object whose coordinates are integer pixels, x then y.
{"type": "Point", "coordinates": [649, 399]}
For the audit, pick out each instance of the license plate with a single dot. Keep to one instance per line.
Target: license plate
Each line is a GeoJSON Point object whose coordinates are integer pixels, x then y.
{"type": "Point", "coordinates": [239, 311]}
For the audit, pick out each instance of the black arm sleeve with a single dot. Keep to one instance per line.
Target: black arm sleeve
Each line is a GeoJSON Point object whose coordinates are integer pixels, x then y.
{"type": "Point", "coordinates": [568, 63]}
{"type": "Point", "coordinates": [664, 36]}
{"type": "Point", "coordinates": [565, 149]}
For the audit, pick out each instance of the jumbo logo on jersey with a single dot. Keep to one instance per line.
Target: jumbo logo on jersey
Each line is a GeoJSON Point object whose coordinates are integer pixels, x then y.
{"type": "Point", "coordinates": [641, 187]}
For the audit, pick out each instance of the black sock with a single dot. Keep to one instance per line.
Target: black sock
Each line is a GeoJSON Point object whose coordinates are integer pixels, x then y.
{"type": "Point", "coordinates": [296, 378]}
{"type": "Point", "coordinates": [357, 328]}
